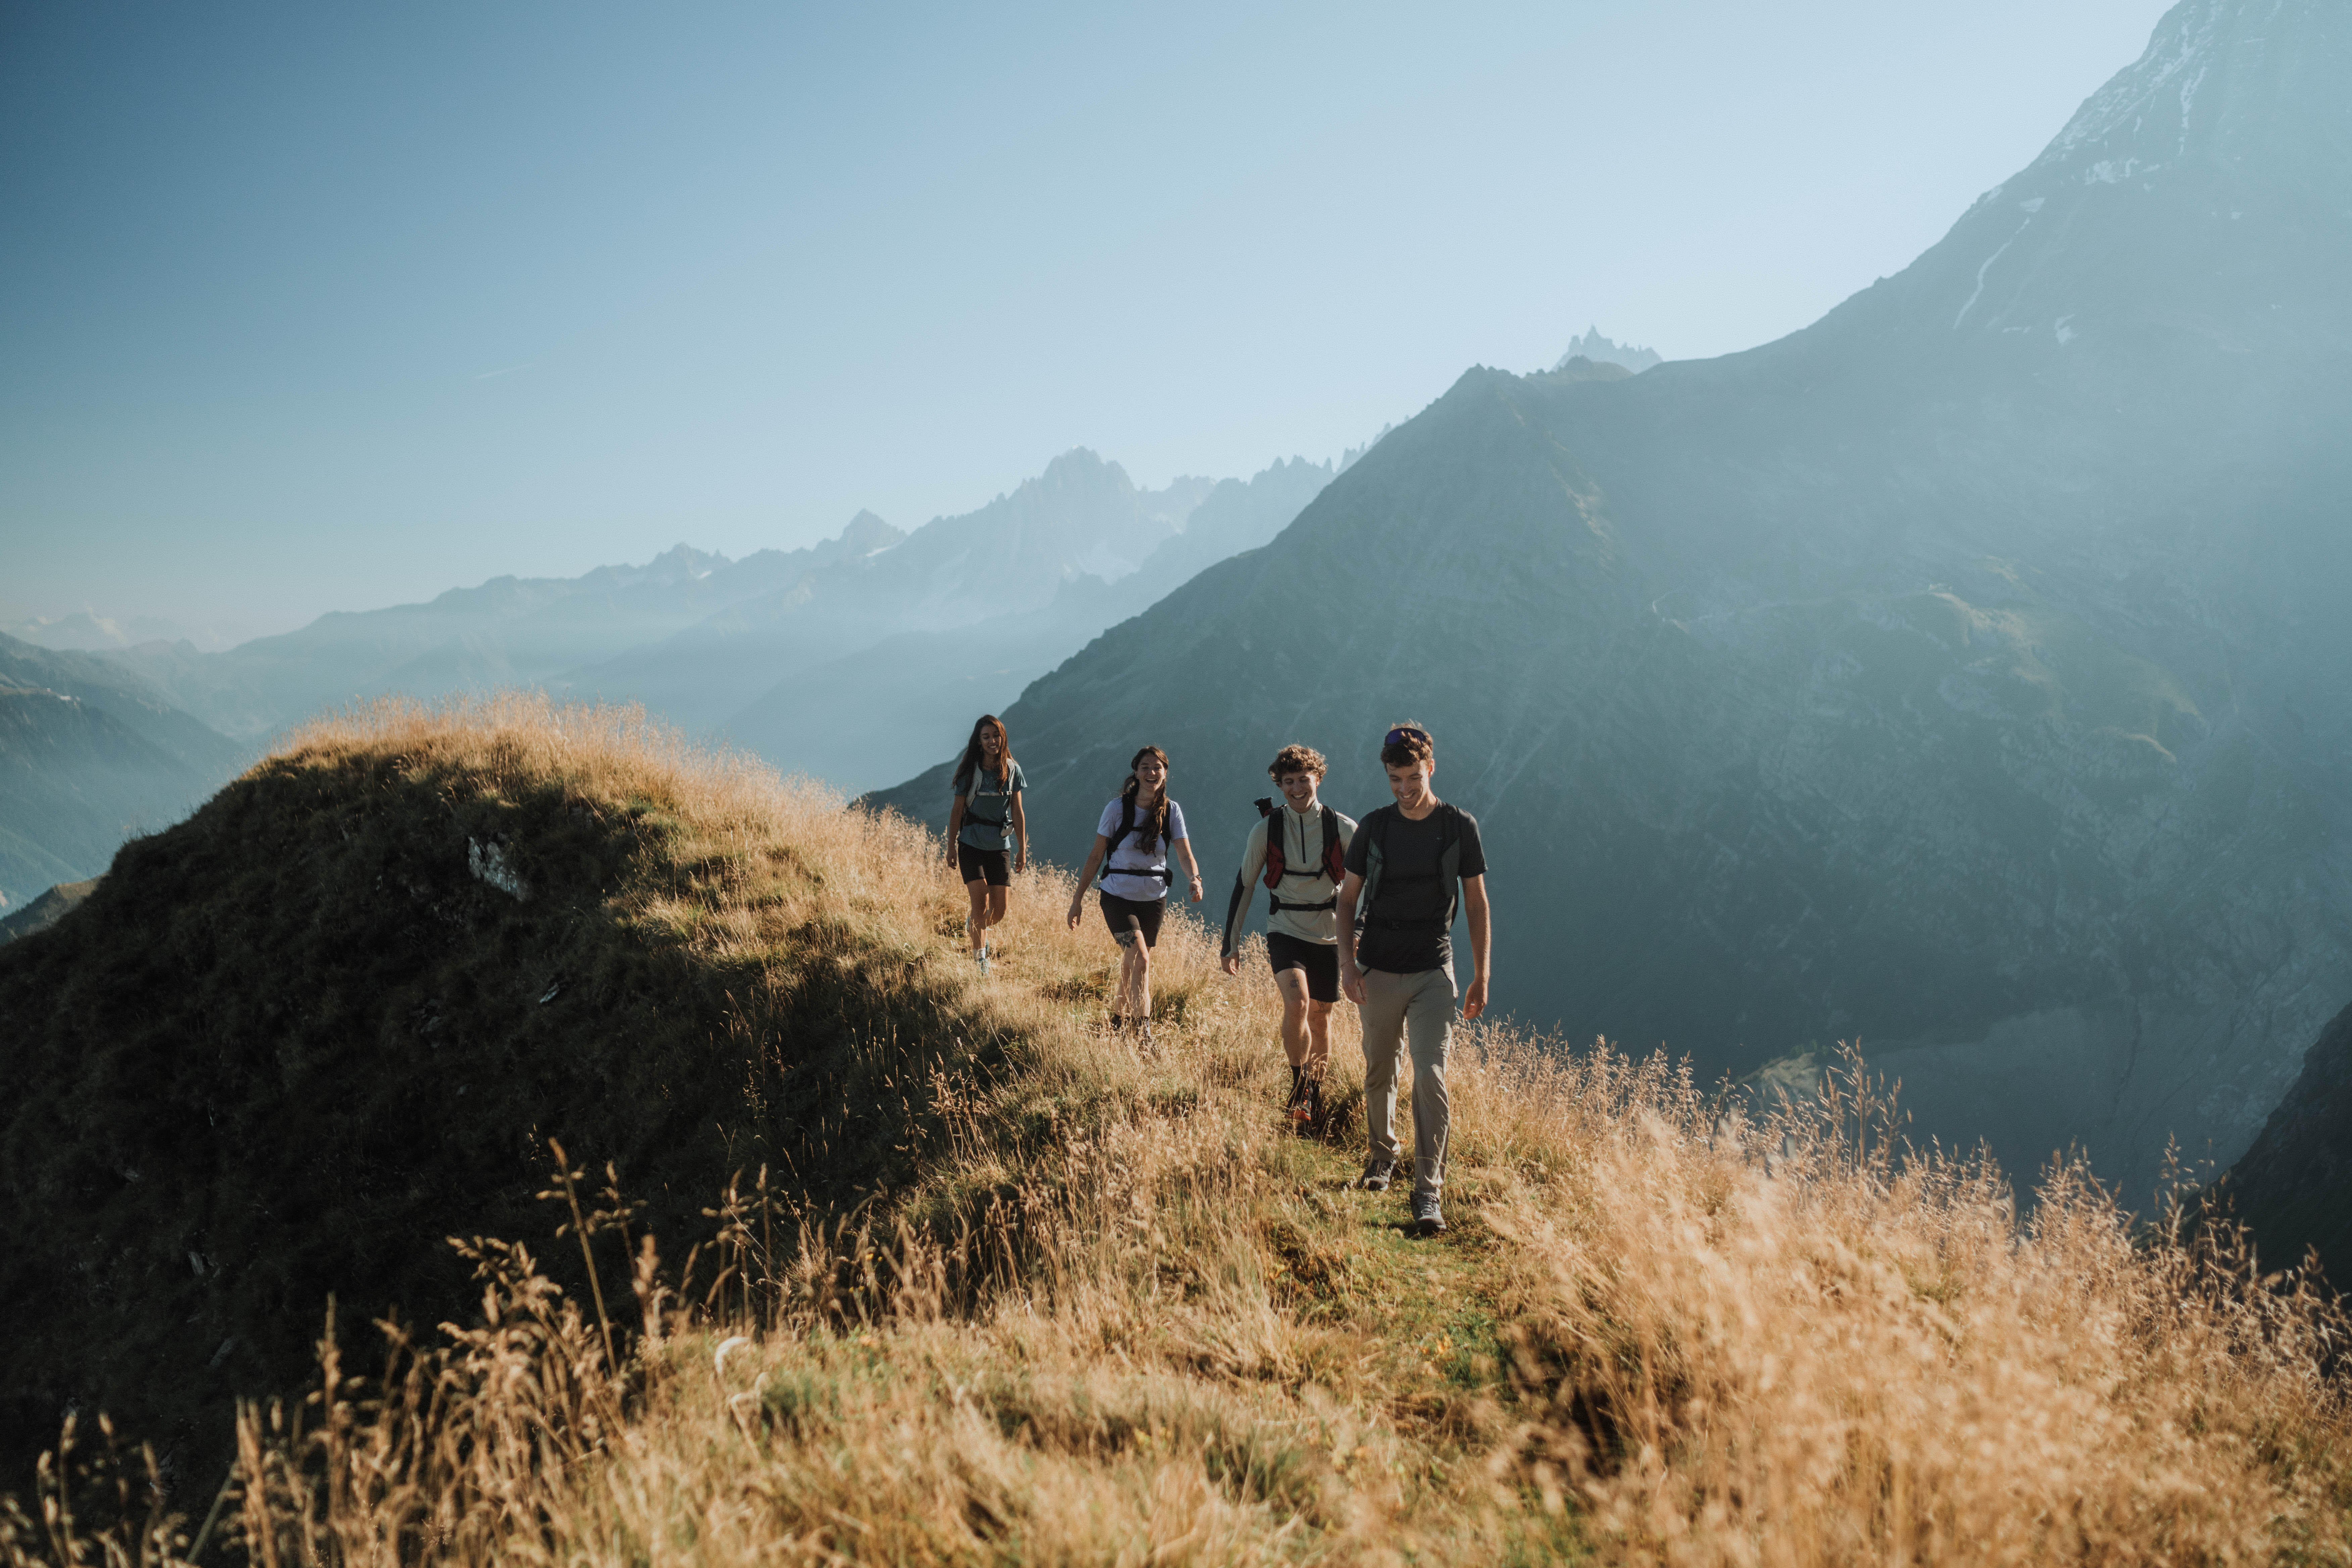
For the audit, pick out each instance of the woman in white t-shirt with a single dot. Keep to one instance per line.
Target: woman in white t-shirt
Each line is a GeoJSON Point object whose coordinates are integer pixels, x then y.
{"type": "Point", "coordinates": [1132, 841]}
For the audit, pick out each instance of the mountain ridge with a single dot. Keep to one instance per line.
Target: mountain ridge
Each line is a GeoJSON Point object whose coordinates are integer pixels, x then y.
{"type": "Point", "coordinates": [1957, 671]}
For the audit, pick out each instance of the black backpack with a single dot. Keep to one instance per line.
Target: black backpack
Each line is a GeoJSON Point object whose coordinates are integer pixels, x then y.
{"type": "Point", "coordinates": [1126, 828]}
{"type": "Point", "coordinates": [1329, 861]}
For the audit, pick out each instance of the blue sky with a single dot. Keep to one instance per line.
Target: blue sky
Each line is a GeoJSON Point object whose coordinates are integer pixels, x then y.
{"type": "Point", "coordinates": [327, 307]}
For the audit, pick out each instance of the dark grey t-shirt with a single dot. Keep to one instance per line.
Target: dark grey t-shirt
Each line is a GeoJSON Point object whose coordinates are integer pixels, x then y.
{"type": "Point", "coordinates": [1410, 893]}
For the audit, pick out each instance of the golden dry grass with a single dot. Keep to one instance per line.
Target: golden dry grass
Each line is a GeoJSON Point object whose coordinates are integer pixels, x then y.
{"type": "Point", "coordinates": [1121, 1318]}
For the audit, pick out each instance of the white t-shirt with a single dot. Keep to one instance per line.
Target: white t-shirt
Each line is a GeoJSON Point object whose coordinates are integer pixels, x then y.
{"type": "Point", "coordinates": [1130, 856]}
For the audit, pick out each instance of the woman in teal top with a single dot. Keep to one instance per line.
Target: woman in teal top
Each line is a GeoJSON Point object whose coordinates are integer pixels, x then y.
{"type": "Point", "coordinates": [983, 825]}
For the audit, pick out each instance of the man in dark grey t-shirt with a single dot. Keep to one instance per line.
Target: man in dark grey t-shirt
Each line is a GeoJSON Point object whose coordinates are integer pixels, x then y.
{"type": "Point", "coordinates": [1411, 866]}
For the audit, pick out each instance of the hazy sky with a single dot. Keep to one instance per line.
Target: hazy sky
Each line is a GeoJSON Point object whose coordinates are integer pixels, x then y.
{"type": "Point", "coordinates": [333, 306]}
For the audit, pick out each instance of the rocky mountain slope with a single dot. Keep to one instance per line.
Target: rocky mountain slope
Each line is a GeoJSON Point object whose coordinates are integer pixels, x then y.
{"type": "Point", "coordinates": [2293, 1186]}
{"type": "Point", "coordinates": [88, 755]}
{"type": "Point", "coordinates": [1962, 673]}
{"type": "Point", "coordinates": [47, 910]}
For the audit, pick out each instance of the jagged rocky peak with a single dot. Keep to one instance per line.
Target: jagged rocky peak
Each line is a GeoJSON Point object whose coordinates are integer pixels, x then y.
{"type": "Point", "coordinates": [679, 564]}
{"type": "Point", "coordinates": [868, 533]}
{"type": "Point", "coordinates": [1598, 350]}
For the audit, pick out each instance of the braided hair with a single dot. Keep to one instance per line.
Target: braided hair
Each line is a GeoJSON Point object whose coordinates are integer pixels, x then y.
{"type": "Point", "coordinates": [1150, 831]}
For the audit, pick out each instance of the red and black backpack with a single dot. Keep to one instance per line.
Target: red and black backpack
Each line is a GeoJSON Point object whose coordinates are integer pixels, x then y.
{"type": "Point", "coordinates": [1332, 862]}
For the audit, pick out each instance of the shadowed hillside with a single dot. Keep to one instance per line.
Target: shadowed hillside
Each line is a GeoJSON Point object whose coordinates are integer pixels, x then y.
{"type": "Point", "coordinates": [286, 1048]}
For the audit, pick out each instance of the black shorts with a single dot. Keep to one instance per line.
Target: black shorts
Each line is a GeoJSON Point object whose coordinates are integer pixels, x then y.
{"type": "Point", "coordinates": [982, 865]}
{"type": "Point", "coordinates": [1319, 960]}
{"type": "Point", "coordinates": [1127, 917]}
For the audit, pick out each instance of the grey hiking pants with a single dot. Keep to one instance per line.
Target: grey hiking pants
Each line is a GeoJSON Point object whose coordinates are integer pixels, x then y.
{"type": "Point", "coordinates": [1418, 1009]}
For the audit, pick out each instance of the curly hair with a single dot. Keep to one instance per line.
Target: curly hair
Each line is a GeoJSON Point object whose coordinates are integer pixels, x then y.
{"type": "Point", "coordinates": [1297, 759]}
{"type": "Point", "coordinates": [1409, 742]}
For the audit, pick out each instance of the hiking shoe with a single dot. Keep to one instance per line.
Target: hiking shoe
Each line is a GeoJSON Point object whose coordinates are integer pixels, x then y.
{"type": "Point", "coordinates": [982, 957]}
{"type": "Point", "coordinates": [1426, 1220]}
{"type": "Point", "coordinates": [1307, 1108]}
{"type": "Point", "coordinates": [1376, 1175]}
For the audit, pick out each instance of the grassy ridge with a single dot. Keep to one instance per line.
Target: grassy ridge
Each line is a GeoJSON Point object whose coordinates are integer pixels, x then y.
{"type": "Point", "coordinates": [1092, 1306]}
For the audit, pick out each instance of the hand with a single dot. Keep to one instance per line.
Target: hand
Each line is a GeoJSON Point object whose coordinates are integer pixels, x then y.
{"type": "Point", "coordinates": [1077, 905]}
{"type": "Point", "coordinates": [1196, 890]}
{"type": "Point", "coordinates": [1021, 859]}
{"type": "Point", "coordinates": [1233, 964]}
{"type": "Point", "coordinates": [1474, 1001]}
{"type": "Point", "coordinates": [1352, 981]}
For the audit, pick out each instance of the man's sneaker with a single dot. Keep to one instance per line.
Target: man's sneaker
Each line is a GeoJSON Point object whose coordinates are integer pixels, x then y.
{"type": "Point", "coordinates": [1376, 1175]}
{"type": "Point", "coordinates": [1426, 1220]}
{"type": "Point", "coordinates": [983, 956]}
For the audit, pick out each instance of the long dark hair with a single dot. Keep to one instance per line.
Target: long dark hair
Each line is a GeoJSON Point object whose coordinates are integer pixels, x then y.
{"type": "Point", "coordinates": [975, 759]}
{"type": "Point", "coordinates": [1150, 831]}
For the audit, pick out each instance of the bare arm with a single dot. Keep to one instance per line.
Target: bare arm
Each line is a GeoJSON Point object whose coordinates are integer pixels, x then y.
{"type": "Point", "coordinates": [955, 827]}
{"type": "Point", "coordinates": [1087, 878]}
{"type": "Point", "coordinates": [1019, 837]}
{"type": "Point", "coordinates": [1482, 945]}
{"type": "Point", "coordinates": [1352, 979]}
{"type": "Point", "coordinates": [1192, 867]}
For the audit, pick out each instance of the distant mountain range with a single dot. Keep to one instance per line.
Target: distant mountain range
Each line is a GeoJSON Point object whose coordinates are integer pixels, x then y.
{"type": "Point", "coordinates": [1965, 673]}
{"type": "Point", "coordinates": [856, 660]}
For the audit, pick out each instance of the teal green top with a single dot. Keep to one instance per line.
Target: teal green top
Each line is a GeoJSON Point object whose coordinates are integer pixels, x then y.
{"type": "Point", "coordinates": [988, 807]}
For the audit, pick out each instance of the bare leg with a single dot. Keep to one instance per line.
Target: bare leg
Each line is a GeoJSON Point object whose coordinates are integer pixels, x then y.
{"type": "Point", "coordinates": [1291, 983]}
{"type": "Point", "coordinates": [1135, 981]}
{"type": "Point", "coordinates": [1318, 1035]}
{"type": "Point", "coordinates": [996, 905]}
{"type": "Point", "coordinates": [976, 924]}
